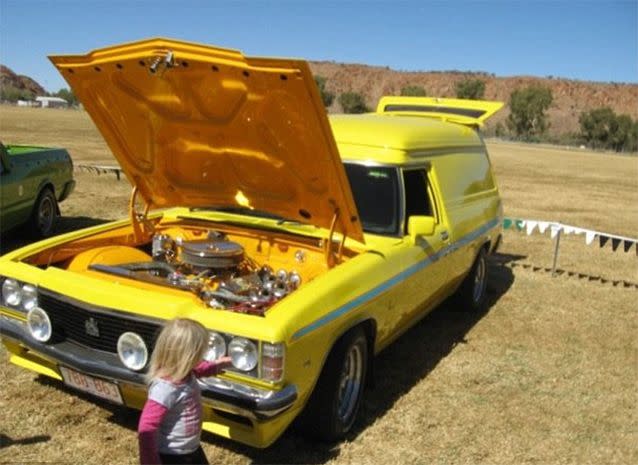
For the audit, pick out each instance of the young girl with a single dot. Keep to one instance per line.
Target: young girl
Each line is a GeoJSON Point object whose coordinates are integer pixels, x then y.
{"type": "Point", "coordinates": [171, 421]}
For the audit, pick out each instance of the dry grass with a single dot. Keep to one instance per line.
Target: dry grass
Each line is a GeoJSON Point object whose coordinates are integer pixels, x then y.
{"type": "Point", "coordinates": [547, 375]}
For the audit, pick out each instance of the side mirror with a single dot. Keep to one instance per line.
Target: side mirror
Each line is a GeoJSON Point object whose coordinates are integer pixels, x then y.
{"type": "Point", "coordinates": [420, 226]}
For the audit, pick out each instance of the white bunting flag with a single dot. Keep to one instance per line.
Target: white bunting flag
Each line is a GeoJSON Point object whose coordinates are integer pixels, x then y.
{"type": "Point", "coordinates": [542, 226]}
{"type": "Point", "coordinates": [553, 230]}
{"type": "Point", "coordinates": [529, 226]}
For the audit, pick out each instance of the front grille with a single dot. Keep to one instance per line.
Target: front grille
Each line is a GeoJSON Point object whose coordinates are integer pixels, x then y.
{"type": "Point", "coordinates": [75, 321]}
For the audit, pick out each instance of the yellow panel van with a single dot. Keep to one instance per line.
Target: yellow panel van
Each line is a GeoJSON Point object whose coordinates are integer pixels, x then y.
{"type": "Point", "coordinates": [306, 243]}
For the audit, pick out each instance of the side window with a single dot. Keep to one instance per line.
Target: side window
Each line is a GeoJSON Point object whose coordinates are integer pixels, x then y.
{"type": "Point", "coordinates": [418, 195]}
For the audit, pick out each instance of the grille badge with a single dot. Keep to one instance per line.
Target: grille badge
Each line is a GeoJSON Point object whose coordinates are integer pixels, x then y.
{"type": "Point", "coordinates": [91, 328]}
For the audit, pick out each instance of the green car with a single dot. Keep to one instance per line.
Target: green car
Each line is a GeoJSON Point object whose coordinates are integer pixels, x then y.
{"type": "Point", "coordinates": [33, 180]}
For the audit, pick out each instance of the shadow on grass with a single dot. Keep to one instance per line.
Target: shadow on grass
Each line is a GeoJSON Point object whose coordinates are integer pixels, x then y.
{"type": "Point", "coordinates": [422, 347]}
{"type": "Point", "coordinates": [419, 351]}
{"type": "Point", "coordinates": [6, 441]}
{"type": "Point", "coordinates": [21, 236]}
{"type": "Point", "coordinates": [499, 259]}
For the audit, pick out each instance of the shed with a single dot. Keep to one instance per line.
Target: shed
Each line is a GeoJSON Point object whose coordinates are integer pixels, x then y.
{"type": "Point", "coordinates": [52, 102]}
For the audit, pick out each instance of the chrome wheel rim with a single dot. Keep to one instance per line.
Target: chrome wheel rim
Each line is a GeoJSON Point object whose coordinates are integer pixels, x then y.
{"type": "Point", "coordinates": [46, 213]}
{"type": "Point", "coordinates": [350, 384]}
{"type": "Point", "coordinates": [479, 280]}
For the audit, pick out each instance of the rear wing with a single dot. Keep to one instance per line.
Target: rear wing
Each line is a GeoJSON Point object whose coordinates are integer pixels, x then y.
{"type": "Point", "coordinates": [467, 112]}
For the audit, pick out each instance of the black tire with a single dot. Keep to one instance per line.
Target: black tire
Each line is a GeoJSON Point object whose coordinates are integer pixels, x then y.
{"type": "Point", "coordinates": [471, 295]}
{"type": "Point", "coordinates": [45, 214]}
{"type": "Point", "coordinates": [335, 401]}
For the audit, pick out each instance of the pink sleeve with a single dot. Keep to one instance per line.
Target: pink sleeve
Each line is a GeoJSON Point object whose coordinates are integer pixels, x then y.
{"type": "Point", "coordinates": [205, 368]}
{"type": "Point", "coordinates": [147, 431]}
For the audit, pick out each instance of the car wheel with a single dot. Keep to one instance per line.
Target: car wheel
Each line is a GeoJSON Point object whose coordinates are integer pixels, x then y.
{"type": "Point", "coordinates": [333, 407]}
{"type": "Point", "coordinates": [471, 294]}
{"type": "Point", "coordinates": [45, 214]}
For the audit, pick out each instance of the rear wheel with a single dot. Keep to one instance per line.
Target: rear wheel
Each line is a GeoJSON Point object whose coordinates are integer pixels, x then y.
{"type": "Point", "coordinates": [471, 294]}
{"type": "Point", "coordinates": [45, 214]}
{"type": "Point", "coordinates": [333, 407]}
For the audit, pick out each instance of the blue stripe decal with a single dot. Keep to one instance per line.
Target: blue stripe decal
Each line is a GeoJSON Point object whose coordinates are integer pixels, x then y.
{"type": "Point", "coordinates": [380, 289]}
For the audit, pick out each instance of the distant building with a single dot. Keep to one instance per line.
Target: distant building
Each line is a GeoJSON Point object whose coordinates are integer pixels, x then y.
{"type": "Point", "coordinates": [52, 102]}
{"type": "Point", "coordinates": [26, 103]}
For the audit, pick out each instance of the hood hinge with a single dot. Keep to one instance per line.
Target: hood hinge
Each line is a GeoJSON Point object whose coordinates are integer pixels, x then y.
{"type": "Point", "coordinates": [143, 228]}
{"type": "Point", "coordinates": [333, 258]}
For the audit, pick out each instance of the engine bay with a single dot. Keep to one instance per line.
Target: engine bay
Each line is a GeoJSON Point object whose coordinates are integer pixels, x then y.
{"type": "Point", "coordinates": [231, 268]}
{"type": "Point", "coordinates": [214, 268]}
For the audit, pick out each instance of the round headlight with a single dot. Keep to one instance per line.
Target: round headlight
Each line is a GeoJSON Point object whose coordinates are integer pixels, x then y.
{"type": "Point", "coordinates": [243, 354]}
{"type": "Point", "coordinates": [216, 347]}
{"type": "Point", "coordinates": [11, 292]}
{"type": "Point", "coordinates": [29, 297]}
{"type": "Point", "coordinates": [132, 351]}
{"type": "Point", "coordinates": [39, 324]}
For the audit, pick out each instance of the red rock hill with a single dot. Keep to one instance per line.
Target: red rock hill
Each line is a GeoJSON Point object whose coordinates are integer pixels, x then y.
{"type": "Point", "coordinates": [571, 97]}
{"type": "Point", "coordinates": [9, 78]}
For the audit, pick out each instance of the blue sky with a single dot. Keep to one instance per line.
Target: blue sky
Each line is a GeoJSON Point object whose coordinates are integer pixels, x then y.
{"type": "Point", "coordinates": [595, 41]}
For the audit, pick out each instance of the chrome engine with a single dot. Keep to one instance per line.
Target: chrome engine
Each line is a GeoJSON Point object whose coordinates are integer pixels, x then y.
{"type": "Point", "coordinates": [215, 268]}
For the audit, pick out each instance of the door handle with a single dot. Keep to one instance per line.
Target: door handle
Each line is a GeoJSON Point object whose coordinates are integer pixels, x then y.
{"type": "Point", "coordinates": [444, 235]}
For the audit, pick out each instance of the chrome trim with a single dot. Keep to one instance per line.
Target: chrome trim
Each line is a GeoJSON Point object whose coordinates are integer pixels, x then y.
{"type": "Point", "coordinates": [252, 402]}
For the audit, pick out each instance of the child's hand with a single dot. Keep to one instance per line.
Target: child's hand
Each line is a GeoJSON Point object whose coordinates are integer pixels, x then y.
{"type": "Point", "coordinates": [224, 362]}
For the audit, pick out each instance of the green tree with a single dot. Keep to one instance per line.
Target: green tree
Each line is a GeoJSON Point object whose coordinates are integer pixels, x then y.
{"type": "Point", "coordinates": [9, 93]}
{"type": "Point", "coordinates": [413, 91]}
{"type": "Point", "coordinates": [632, 138]}
{"type": "Point", "coordinates": [67, 95]}
{"type": "Point", "coordinates": [353, 102]}
{"type": "Point", "coordinates": [596, 126]}
{"type": "Point", "coordinates": [527, 119]}
{"type": "Point", "coordinates": [623, 139]}
{"type": "Point", "coordinates": [326, 97]}
{"type": "Point", "coordinates": [472, 89]}
{"type": "Point", "coordinates": [603, 128]}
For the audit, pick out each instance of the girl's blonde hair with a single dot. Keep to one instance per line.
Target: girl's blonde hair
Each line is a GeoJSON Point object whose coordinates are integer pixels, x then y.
{"type": "Point", "coordinates": [180, 346]}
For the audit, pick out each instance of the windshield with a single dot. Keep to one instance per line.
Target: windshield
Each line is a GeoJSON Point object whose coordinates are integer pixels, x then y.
{"type": "Point", "coordinates": [376, 194]}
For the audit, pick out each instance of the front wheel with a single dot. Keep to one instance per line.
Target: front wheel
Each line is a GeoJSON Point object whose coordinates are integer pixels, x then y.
{"type": "Point", "coordinates": [333, 407]}
{"type": "Point", "coordinates": [45, 214]}
{"type": "Point", "coordinates": [471, 295]}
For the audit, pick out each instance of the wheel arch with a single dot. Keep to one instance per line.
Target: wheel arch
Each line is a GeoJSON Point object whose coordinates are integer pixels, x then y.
{"type": "Point", "coordinates": [46, 184]}
{"type": "Point", "coordinates": [368, 328]}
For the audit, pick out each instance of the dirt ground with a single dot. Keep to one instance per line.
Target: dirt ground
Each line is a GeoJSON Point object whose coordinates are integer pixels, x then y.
{"type": "Point", "coordinates": [547, 374]}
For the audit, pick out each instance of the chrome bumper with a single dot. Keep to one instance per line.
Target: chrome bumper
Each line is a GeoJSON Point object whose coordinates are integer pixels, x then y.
{"type": "Point", "coordinates": [226, 395]}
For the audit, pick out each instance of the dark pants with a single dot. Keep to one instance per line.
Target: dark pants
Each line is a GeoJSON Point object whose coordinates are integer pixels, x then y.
{"type": "Point", "coordinates": [194, 458]}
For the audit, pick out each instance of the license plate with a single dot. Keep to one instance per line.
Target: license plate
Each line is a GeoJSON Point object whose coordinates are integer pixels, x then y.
{"type": "Point", "coordinates": [98, 387]}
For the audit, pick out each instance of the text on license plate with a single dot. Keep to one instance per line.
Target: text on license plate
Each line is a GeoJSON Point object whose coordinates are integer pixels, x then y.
{"type": "Point", "coordinates": [95, 386]}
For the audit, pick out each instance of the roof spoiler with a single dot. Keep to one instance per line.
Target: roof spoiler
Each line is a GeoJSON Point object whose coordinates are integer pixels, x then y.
{"type": "Point", "coordinates": [467, 112]}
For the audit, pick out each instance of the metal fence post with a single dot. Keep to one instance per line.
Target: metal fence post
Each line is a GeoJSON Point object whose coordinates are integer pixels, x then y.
{"type": "Point", "coordinates": [560, 230]}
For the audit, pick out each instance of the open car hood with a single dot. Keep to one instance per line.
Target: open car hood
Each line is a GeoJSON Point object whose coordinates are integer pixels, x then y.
{"type": "Point", "coordinates": [199, 126]}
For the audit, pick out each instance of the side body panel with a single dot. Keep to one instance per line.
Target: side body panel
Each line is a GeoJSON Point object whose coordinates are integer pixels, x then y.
{"type": "Point", "coordinates": [29, 171]}
{"type": "Point", "coordinates": [471, 205]}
